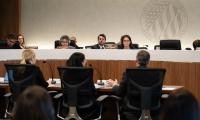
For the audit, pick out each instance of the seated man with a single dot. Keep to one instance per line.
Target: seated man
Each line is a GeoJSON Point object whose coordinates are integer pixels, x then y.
{"type": "Point", "coordinates": [142, 61]}
{"type": "Point", "coordinates": [10, 43]}
{"type": "Point", "coordinates": [101, 42]}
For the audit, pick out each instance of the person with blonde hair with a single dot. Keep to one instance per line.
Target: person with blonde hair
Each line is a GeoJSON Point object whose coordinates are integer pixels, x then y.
{"type": "Point", "coordinates": [28, 57]}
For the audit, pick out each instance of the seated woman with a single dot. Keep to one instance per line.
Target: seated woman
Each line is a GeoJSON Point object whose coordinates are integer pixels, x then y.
{"type": "Point", "coordinates": [21, 41]}
{"type": "Point", "coordinates": [126, 43]}
{"type": "Point", "coordinates": [34, 104]}
{"type": "Point", "coordinates": [181, 105]}
{"type": "Point", "coordinates": [29, 57]}
{"type": "Point", "coordinates": [77, 59]}
{"type": "Point", "coordinates": [64, 43]}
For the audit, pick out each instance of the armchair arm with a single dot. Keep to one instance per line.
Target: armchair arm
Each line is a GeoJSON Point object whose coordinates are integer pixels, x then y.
{"type": "Point", "coordinates": [8, 95]}
{"type": "Point", "coordinates": [58, 96]}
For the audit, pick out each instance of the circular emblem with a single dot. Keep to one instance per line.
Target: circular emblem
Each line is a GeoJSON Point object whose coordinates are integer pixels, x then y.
{"type": "Point", "coordinates": [163, 19]}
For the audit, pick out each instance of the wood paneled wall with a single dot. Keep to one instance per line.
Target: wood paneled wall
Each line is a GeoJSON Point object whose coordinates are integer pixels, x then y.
{"type": "Point", "coordinates": [178, 73]}
{"type": "Point", "coordinates": [9, 17]}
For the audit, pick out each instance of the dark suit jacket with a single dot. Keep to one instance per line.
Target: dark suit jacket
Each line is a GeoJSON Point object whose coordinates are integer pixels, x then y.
{"type": "Point", "coordinates": [95, 46]}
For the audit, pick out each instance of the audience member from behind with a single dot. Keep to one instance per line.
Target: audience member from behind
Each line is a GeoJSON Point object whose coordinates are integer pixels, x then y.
{"type": "Point", "coordinates": [12, 42]}
{"type": "Point", "coordinates": [142, 61]}
{"type": "Point", "coordinates": [73, 42]}
{"type": "Point", "coordinates": [101, 42]}
{"type": "Point", "coordinates": [21, 41]}
{"type": "Point", "coordinates": [29, 57]}
{"type": "Point", "coordinates": [64, 43]}
{"type": "Point", "coordinates": [196, 44]}
{"type": "Point", "coordinates": [34, 104]}
{"type": "Point", "coordinates": [180, 105]}
{"type": "Point", "coordinates": [126, 43]}
{"type": "Point", "coordinates": [77, 59]}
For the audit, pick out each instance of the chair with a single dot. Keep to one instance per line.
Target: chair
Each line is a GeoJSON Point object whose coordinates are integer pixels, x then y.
{"type": "Point", "coordinates": [20, 76]}
{"type": "Point", "coordinates": [144, 89]}
{"type": "Point", "coordinates": [156, 47]}
{"type": "Point", "coordinates": [135, 46]}
{"type": "Point", "coordinates": [196, 45]}
{"type": "Point", "coordinates": [88, 47]}
{"type": "Point", "coordinates": [56, 43]}
{"type": "Point", "coordinates": [78, 94]}
{"type": "Point", "coordinates": [3, 44]}
{"type": "Point", "coordinates": [170, 45]}
{"type": "Point", "coordinates": [110, 45]}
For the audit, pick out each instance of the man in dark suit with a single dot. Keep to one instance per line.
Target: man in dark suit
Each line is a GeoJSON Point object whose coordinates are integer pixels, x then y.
{"type": "Point", "coordinates": [12, 42]}
{"type": "Point", "coordinates": [142, 61]}
{"type": "Point", "coordinates": [101, 42]}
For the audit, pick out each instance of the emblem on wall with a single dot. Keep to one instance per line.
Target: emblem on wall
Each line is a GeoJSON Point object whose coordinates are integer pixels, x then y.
{"type": "Point", "coordinates": [164, 19]}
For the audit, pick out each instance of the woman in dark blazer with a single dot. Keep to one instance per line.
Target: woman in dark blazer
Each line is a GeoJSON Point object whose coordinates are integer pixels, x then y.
{"type": "Point", "coordinates": [126, 43]}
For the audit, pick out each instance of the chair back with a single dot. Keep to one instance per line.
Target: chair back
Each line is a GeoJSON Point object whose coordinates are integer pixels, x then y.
{"type": "Point", "coordinates": [144, 87]}
{"type": "Point", "coordinates": [78, 87]}
{"type": "Point", "coordinates": [110, 45]}
{"type": "Point", "coordinates": [56, 43]}
{"type": "Point", "coordinates": [196, 44]}
{"type": "Point", "coordinates": [20, 76]}
{"type": "Point", "coordinates": [170, 45]}
{"type": "Point", "coordinates": [88, 47]}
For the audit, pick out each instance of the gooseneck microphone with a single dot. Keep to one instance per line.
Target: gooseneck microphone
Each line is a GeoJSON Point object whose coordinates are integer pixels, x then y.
{"type": "Point", "coordinates": [51, 70]}
{"type": "Point", "coordinates": [99, 73]}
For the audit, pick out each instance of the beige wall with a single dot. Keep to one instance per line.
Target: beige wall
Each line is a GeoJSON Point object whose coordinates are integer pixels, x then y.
{"type": "Point", "coordinates": [147, 21]}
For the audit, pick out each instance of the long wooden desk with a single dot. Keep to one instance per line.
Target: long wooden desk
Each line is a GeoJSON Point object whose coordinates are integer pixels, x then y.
{"type": "Point", "coordinates": [167, 89]}
{"type": "Point", "coordinates": [182, 66]}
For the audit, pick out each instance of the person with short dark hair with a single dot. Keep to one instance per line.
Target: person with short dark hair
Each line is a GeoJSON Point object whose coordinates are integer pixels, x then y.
{"type": "Point", "coordinates": [12, 42]}
{"type": "Point", "coordinates": [34, 104]}
{"type": "Point", "coordinates": [142, 61]}
{"type": "Point", "coordinates": [64, 43]}
{"type": "Point", "coordinates": [77, 59]}
{"type": "Point", "coordinates": [101, 42]}
{"type": "Point", "coordinates": [181, 105]}
{"type": "Point", "coordinates": [126, 43]}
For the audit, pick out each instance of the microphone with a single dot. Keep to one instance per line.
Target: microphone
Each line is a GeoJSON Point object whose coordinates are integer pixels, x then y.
{"type": "Point", "coordinates": [99, 73]}
{"type": "Point", "coordinates": [51, 70]}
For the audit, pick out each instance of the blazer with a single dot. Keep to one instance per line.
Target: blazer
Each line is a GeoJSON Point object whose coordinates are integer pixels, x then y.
{"type": "Point", "coordinates": [95, 46]}
{"type": "Point", "coordinates": [22, 74]}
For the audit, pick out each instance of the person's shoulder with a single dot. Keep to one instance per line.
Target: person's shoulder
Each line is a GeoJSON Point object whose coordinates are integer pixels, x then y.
{"type": "Point", "coordinates": [96, 46]}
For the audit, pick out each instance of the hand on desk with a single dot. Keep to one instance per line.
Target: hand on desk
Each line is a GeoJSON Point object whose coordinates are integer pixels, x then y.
{"type": "Point", "coordinates": [112, 82]}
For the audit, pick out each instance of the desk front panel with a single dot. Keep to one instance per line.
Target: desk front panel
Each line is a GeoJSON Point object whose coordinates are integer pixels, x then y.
{"type": "Point", "coordinates": [178, 73]}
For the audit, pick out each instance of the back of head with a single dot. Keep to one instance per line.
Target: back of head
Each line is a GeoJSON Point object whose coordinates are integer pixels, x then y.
{"type": "Point", "coordinates": [34, 104]}
{"type": "Point", "coordinates": [181, 105]}
{"type": "Point", "coordinates": [27, 56]}
{"type": "Point", "coordinates": [143, 58]}
{"type": "Point", "coordinates": [76, 60]}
